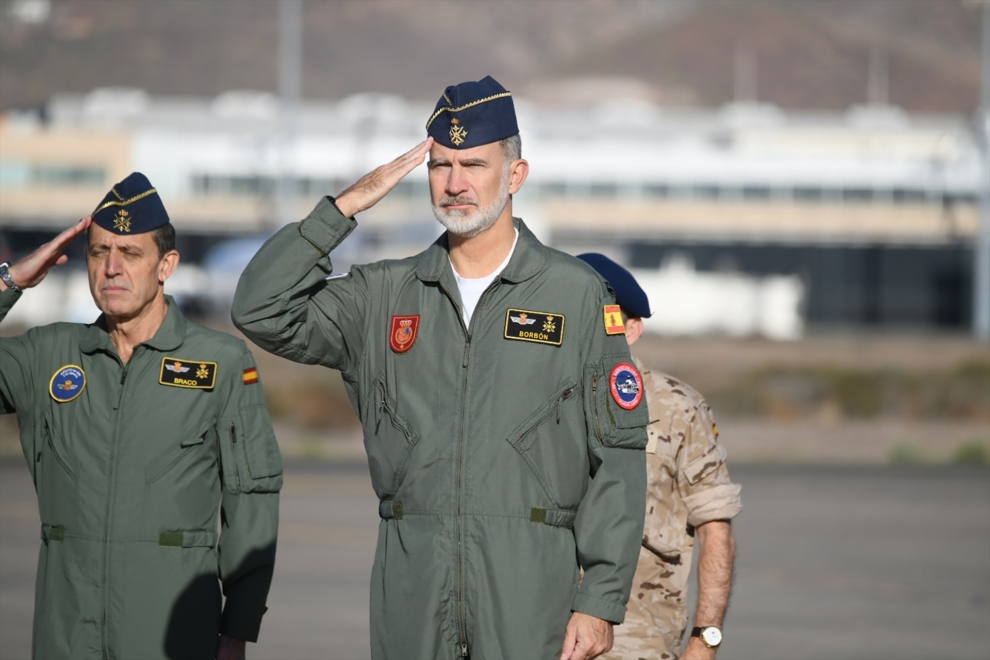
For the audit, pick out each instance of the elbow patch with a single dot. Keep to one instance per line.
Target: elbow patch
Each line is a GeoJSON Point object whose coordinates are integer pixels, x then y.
{"type": "Point", "coordinates": [615, 402]}
{"type": "Point", "coordinates": [252, 462]}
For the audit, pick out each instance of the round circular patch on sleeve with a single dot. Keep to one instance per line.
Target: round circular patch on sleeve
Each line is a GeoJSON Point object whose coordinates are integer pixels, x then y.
{"type": "Point", "coordinates": [626, 385]}
{"type": "Point", "coordinates": [67, 383]}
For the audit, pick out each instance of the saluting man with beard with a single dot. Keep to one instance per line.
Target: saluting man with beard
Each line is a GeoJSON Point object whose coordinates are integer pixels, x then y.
{"type": "Point", "coordinates": [503, 417]}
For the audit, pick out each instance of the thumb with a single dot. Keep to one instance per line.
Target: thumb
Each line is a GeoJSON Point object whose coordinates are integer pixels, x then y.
{"type": "Point", "coordinates": [570, 641]}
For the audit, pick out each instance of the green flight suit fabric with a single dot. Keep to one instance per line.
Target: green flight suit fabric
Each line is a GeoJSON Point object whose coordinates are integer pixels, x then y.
{"type": "Point", "coordinates": [130, 475]}
{"type": "Point", "coordinates": [503, 466]}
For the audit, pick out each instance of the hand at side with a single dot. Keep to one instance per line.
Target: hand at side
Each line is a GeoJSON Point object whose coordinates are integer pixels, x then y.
{"type": "Point", "coordinates": [586, 637]}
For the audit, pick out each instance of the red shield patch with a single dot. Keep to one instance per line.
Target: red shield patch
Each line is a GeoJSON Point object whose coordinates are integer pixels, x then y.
{"type": "Point", "coordinates": [402, 335]}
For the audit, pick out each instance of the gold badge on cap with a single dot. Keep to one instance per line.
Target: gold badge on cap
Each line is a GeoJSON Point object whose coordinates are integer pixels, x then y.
{"type": "Point", "coordinates": [457, 133]}
{"type": "Point", "coordinates": [122, 221]}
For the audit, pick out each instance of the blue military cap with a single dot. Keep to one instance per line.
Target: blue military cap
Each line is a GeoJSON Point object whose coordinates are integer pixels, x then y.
{"type": "Point", "coordinates": [473, 113]}
{"type": "Point", "coordinates": [131, 207]}
{"type": "Point", "coordinates": [628, 293]}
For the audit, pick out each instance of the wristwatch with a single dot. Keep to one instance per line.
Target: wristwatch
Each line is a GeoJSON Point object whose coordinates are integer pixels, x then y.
{"type": "Point", "coordinates": [7, 279]}
{"type": "Point", "coordinates": [710, 635]}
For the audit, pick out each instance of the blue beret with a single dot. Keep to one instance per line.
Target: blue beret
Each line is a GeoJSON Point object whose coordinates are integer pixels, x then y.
{"type": "Point", "coordinates": [472, 114]}
{"type": "Point", "coordinates": [131, 207]}
{"type": "Point", "coordinates": [628, 293]}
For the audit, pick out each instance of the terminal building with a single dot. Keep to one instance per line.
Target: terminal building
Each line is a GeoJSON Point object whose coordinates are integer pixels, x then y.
{"type": "Point", "coordinates": [744, 219]}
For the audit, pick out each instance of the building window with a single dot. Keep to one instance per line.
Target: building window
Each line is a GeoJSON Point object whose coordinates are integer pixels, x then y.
{"type": "Point", "coordinates": [756, 193]}
{"type": "Point", "coordinates": [704, 192]}
{"type": "Point", "coordinates": [655, 190]}
{"type": "Point", "coordinates": [603, 190]}
{"type": "Point", "coordinates": [908, 196]}
{"type": "Point", "coordinates": [553, 189]}
{"type": "Point", "coordinates": [859, 195]}
{"type": "Point", "coordinates": [22, 175]}
{"type": "Point", "coordinates": [804, 194]}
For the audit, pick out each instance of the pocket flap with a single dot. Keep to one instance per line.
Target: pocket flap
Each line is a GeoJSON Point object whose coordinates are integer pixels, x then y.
{"type": "Point", "coordinates": [199, 438]}
{"type": "Point", "coordinates": [701, 467]}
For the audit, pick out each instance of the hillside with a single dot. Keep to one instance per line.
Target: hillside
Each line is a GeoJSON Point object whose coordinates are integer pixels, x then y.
{"type": "Point", "coordinates": [805, 53]}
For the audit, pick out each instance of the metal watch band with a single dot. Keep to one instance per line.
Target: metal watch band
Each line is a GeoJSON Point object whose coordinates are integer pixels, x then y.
{"type": "Point", "coordinates": [7, 279]}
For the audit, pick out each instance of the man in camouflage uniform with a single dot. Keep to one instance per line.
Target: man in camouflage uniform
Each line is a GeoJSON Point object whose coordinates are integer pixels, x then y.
{"type": "Point", "coordinates": [688, 494]}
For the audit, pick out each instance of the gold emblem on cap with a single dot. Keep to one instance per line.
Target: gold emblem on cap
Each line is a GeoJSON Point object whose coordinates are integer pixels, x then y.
{"type": "Point", "coordinates": [457, 133]}
{"type": "Point", "coordinates": [122, 221]}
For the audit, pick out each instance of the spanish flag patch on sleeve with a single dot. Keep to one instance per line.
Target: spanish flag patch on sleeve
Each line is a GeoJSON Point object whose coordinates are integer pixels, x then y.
{"type": "Point", "coordinates": [250, 376]}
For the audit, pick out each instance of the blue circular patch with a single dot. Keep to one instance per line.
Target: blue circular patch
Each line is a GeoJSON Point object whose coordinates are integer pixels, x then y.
{"type": "Point", "coordinates": [67, 383]}
{"type": "Point", "coordinates": [627, 385]}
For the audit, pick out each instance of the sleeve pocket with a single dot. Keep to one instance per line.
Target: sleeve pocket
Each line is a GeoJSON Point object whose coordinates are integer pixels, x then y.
{"type": "Point", "coordinates": [615, 425]}
{"type": "Point", "coordinates": [263, 456]}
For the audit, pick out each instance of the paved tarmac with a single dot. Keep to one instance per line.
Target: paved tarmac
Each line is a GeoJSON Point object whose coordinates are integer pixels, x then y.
{"type": "Point", "coordinates": [834, 562]}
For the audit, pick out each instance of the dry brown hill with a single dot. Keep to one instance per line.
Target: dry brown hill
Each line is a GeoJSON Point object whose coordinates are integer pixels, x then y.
{"type": "Point", "coordinates": [806, 54]}
{"type": "Point", "coordinates": [809, 53]}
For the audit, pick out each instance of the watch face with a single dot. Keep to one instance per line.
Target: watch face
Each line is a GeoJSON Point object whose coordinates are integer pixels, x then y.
{"type": "Point", "coordinates": [711, 636]}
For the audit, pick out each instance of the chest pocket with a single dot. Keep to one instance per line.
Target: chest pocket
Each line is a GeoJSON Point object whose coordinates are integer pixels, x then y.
{"type": "Point", "coordinates": [389, 439]}
{"type": "Point", "coordinates": [189, 448]}
{"type": "Point", "coordinates": [535, 444]}
{"type": "Point", "coordinates": [53, 445]}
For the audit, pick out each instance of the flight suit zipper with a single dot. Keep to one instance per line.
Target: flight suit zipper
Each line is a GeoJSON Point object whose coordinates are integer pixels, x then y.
{"type": "Point", "coordinates": [594, 392]}
{"type": "Point", "coordinates": [465, 363]}
{"type": "Point", "coordinates": [233, 445]}
{"type": "Point", "coordinates": [107, 527]}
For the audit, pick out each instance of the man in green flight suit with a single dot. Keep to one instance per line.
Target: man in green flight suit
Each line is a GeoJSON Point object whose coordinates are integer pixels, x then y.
{"type": "Point", "coordinates": [137, 430]}
{"type": "Point", "coordinates": [501, 415]}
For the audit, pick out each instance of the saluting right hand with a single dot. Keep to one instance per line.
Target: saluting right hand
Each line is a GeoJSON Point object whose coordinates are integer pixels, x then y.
{"type": "Point", "coordinates": [30, 270]}
{"type": "Point", "coordinates": [374, 185]}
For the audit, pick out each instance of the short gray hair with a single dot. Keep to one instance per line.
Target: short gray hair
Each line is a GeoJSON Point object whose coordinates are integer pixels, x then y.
{"type": "Point", "coordinates": [512, 147]}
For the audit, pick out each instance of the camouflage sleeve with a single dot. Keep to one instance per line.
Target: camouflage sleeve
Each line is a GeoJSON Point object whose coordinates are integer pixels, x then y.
{"type": "Point", "coordinates": [703, 478]}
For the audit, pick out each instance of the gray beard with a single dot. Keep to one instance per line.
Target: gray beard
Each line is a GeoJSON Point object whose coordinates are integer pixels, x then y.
{"type": "Point", "coordinates": [468, 224]}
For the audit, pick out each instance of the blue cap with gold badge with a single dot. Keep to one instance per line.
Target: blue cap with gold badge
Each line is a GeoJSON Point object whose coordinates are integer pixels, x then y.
{"type": "Point", "coordinates": [131, 207]}
{"type": "Point", "coordinates": [628, 293]}
{"type": "Point", "coordinates": [472, 114]}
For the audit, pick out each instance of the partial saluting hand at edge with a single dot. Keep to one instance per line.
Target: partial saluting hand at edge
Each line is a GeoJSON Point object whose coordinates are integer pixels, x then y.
{"type": "Point", "coordinates": [30, 270]}
{"type": "Point", "coordinates": [374, 185]}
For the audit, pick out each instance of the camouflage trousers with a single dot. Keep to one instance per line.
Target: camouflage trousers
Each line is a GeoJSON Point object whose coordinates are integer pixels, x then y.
{"type": "Point", "coordinates": [655, 616]}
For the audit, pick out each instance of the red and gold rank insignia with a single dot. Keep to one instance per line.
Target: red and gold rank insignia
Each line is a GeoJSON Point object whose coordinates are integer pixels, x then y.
{"type": "Point", "coordinates": [613, 320]}
{"type": "Point", "coordinates": [402, 334]}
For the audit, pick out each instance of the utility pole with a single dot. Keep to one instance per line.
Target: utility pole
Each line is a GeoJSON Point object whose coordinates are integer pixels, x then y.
{"type": "Point", "coordinates": [981, 288]}
{"type": "Point", "coordinates": [878, 79]}
{"type": "Point", "coordinates": [289, 88]}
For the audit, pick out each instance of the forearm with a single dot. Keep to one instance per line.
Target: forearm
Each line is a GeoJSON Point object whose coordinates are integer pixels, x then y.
{"type": "Point", "coordinates": [247, 560]}
{"type": "Point", "coordinates": [271, 304]}
{"type": "Point", "coordinates": [7, 300]}
{"type": "Point", "coordinates": [609, 531]}
{"type": "Point", "coordinates": [716, 556]}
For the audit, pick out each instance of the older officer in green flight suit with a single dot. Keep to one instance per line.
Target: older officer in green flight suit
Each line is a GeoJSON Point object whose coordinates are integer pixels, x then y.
{"type": "Point", "coordinates": [501, 413]}
{"type": "Point", "coordinates": [138, 429]}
